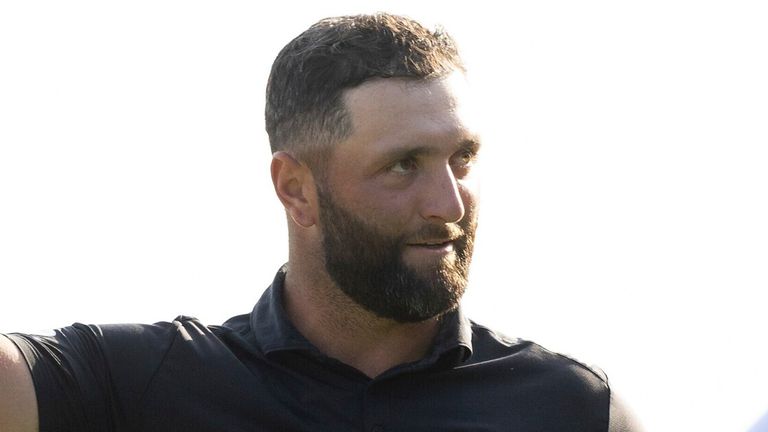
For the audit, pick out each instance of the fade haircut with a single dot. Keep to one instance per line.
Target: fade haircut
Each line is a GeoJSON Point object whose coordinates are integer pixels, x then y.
{"type": "Point", "coordinates": [305, 111]}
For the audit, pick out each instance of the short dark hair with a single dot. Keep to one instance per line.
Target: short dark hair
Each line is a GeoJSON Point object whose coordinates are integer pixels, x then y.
{"type": "Point", "coordinates": [305, 112]}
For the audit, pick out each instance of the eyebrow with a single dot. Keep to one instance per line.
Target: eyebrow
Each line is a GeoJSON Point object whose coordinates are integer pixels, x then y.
{"type": "Point", "coordinates": [472, 143]}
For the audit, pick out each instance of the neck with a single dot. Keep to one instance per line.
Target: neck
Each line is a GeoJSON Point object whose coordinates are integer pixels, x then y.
{"type": "Point", "coordinates": [343, 330]}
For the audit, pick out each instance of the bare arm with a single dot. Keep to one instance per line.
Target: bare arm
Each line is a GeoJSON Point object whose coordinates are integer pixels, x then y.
{"type": "Point", "coordinates": [18, 403]}
{"type": "Point", "coordinates": [622, 419]}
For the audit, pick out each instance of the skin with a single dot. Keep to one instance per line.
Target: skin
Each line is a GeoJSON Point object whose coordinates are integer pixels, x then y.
{"type": "Point", "coordinates": [407, 163]}
{"type": "Point", "coordinates": [18, 404]}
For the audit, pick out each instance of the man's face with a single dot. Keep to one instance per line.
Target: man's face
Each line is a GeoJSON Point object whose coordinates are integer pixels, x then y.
{"type": "Point", "coordinates": [397, 203]}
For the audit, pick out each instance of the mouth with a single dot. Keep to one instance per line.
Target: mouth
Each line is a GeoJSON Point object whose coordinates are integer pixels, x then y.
{"type": "Point", "coordinates": [436, 245]}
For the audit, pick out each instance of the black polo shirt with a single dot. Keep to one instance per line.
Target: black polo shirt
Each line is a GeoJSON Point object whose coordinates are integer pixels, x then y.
{"type": "Point", "coordinates": [256, 372]}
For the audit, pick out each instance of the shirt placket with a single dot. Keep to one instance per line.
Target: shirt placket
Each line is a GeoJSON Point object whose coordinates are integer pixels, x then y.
{"type": "Point", "coordinates": [376, 415]}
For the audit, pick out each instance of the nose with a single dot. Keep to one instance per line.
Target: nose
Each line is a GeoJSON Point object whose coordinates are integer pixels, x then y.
{"type": "Point", "coordinates": [443, 201]}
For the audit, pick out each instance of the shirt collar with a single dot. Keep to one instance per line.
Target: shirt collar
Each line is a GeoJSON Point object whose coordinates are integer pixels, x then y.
{"type": "Point", "coordinates": [455, 336]}
{"type": "Point", "coordinates": [270, 324]}
{"type": "Point", "coordinates": [274, 332]}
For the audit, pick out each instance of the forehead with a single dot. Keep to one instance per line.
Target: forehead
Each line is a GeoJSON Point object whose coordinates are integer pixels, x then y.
{"type": "Point", "coordinates": [386, 111]}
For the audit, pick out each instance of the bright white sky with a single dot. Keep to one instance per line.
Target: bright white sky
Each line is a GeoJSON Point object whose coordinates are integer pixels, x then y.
{"type": "Point", "coordinates": [625, 196]}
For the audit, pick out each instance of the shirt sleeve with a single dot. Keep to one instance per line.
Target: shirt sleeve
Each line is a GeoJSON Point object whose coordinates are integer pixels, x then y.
{"type": "Point", "coordinates": [91, 378]}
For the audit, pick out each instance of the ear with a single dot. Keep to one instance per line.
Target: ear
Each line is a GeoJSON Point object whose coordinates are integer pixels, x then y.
{"type": "Point", "coordinates": [295, 187]}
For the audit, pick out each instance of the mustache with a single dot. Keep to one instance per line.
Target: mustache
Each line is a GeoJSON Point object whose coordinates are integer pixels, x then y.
{"type": "Point", "coordinates": [437, 234]}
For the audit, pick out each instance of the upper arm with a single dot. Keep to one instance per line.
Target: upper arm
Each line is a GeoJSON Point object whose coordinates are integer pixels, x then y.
{"type": "Point", "coordinates": [18, 402]}
{"type": "Point", "coordinates": [621, 417]}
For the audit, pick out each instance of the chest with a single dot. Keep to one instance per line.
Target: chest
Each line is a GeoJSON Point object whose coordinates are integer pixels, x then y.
{"type": "Point", "coordinates": [227, 393]}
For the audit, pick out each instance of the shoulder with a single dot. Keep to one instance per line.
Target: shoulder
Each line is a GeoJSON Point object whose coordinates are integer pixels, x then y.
{"type": "Point", "coordinates": [143, 341]}
{"type": "Point", "coordinates": [157, 339]}
{"type": "Point", "coordinates": [566, 393]}
{"type": "Point", "coordinates": [536, 361]}
{"type": "Point", "coordinates": [126, 344]}
{"type": "Point", "coordinates": [182, 327]}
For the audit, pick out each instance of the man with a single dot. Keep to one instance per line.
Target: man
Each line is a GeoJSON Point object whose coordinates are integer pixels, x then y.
{"type": "Point", "coordinates": [369, 119]}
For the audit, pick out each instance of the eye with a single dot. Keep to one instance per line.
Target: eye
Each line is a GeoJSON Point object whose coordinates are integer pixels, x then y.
{"type": "Point", "coordinates": [465, 158]}
{"type": "Point", "coordinates": [404, 166]}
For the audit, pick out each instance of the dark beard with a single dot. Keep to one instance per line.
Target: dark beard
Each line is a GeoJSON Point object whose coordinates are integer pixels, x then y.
{"type": "Point", "coordinates": [367, 265]}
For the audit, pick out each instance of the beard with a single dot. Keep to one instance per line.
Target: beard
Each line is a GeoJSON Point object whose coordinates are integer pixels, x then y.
{"type": "Point", "coordinates": [367, 265]}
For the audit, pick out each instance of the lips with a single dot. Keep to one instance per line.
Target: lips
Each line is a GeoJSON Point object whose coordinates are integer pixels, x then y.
{"type": "Point", "coordinates": [437, 236]}
{"type": "Point", "coordinates": [433, 244]}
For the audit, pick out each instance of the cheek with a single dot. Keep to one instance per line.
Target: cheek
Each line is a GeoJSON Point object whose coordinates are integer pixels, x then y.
{"type": "Point", "coordinates": [470, 194]}
{"type": "Point", "coordinates": [372, 195]}
{"type": "Point", "coordinates": [390, 211]}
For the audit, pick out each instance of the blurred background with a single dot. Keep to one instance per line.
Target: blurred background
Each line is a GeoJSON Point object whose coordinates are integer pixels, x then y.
{"type": "Point", "coordinates": [625, 192]}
